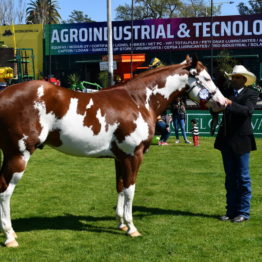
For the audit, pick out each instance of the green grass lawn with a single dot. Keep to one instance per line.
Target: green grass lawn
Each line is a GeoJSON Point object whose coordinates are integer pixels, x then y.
{"type": "Point", "coordinates": [64, 209]}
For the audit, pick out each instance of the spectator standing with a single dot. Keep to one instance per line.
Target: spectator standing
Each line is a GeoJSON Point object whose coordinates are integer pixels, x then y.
{"type": "Point", "coordinates": [195, 132]}
{"type": "Point", "coordinates": [179, 118]}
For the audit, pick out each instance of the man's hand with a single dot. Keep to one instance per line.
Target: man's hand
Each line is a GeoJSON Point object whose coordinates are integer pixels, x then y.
{"type": "Point", "coordinates": [228, 102]}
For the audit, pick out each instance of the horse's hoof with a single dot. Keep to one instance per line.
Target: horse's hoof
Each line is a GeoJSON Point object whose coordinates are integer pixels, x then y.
{"type": "Point", "coordinates": [124, 228]}
{"type": "Point", "coordinates": [135, 234]}
{"type": "Point", "coordinates": [12, 244]}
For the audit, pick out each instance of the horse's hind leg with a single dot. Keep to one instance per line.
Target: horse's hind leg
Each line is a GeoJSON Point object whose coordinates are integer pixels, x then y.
{"type": "Point", "coordinates": [12, 170]}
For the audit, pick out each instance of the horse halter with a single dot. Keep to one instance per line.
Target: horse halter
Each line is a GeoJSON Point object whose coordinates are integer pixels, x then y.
{"type": "Point", "coordinates": [204, 94]}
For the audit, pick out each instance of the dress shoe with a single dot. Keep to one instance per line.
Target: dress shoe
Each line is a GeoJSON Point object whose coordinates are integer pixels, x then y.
{"type": "Point", "coordinates": [224, 218]}
{"type": "Point", "coordinates": [239, 219]}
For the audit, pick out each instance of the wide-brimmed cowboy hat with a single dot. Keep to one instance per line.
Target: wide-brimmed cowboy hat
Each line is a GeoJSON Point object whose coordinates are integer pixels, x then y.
{"type": "Point", "coordinates": [241, 70]}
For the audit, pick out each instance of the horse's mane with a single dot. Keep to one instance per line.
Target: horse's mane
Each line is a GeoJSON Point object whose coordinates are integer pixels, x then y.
{"type": "Point", "coordinates": [159, 69]}
{"type": "Point", "coordinates": [148, 73]}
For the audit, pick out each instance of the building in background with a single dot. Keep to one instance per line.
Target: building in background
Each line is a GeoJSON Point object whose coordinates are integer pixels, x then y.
{"type": "Point", "coordinates": [22, 49]}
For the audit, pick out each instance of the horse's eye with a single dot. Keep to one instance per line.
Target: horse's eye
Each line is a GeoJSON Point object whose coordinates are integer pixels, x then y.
{"type": "Point", "coordinates": [207, 79]}
{"type": "Point", "coordinates": [193, 71]}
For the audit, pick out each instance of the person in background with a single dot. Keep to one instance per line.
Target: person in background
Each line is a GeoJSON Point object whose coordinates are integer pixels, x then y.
{"type": "Point", "coordinates": [195, 132]}
{"type": "Point", "coordinates": [155, 63]}
{"type": "Point", "coordinates": [117, 79]}
{"type": "Point", "coordinates": [179, 118]}
{"type": "Point", "coordinates": [235, 140]}
{"type": "Point", "coordinates": [163, 128]}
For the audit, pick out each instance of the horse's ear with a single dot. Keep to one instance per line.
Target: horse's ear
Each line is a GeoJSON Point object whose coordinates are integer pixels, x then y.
{"type": "Point", "coordinates": [188, 60]}
{"type": "Point", "coordinates": [194, 61]}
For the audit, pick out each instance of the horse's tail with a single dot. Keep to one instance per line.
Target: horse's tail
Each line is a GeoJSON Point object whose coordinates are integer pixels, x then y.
{"type": "Point", "coordinates": [1, 158]}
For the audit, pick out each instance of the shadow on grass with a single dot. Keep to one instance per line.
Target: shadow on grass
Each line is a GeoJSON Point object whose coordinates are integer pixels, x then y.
{"type": "Point", "coordinates": [66, 222]}
{"type": "Point", "coordinates": [149, 211]}
{"type": "Point", "coordinates": [85, 223]}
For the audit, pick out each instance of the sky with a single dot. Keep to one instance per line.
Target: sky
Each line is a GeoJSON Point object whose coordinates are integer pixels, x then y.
{"type": "Point", "coordinates": [96, 9]}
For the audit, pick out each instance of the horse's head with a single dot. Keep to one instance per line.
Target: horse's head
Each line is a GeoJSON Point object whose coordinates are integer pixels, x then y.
{"type": "Point", "coordinates": [202, 88]}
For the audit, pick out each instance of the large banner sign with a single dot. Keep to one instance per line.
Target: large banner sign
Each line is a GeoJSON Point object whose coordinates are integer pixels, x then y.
{"type": "Point", "coordinates": [204, 119]}
{"type": "Point", "coordinates": [156, 35]}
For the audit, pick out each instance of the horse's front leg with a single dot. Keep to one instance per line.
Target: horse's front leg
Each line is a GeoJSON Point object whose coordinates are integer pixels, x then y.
{"type": "Point", "coordinates": [126, 177]}
{"type": "Point", "coordinates": [128, 216]}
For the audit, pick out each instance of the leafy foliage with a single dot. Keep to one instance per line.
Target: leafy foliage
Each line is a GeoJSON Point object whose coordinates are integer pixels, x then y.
{"type": "Point", "coordinates": [77, 17]}
{"type": "Point", "coordinates": [73, 80]}
{"type": "Point", "coordinates": [43, 12]}
{"type": "Point", "coordinates": [147, 9]}
{"type": "Point", "coordinates": [225, 62]}
{"type": "Point", "coordinates": [103, 78]}
{"type": "Point", "coordinates": [253, 7]}
{"type": "Point", "coordinates": [199, 9]}
{"type": "Point", "coordinates": [11, 13]}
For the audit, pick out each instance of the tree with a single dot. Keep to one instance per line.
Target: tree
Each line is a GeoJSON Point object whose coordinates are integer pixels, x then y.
{"type": "Point", "coordinates": [7, 15]}
{"type": "Point", "coordinates": [77, 17]}
{"type": "Point", "coordinates": [11, 13]}
{"type": "Point", "coordinates": [43, 12]}
{"type": "Point", "coordinates": [225, 62]}
{"type": "Point", "coordinates": [198, 9]}
{"type": "Point", "coordinates": [255, 7]}
{"type": "Point", "coordinates": [148, 9]}
{"type": "Point", "coordinates": [21, 11]}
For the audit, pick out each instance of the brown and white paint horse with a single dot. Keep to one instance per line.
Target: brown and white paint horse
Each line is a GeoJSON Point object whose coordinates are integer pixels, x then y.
{"type": "Point", "coordinates": [116, 122]}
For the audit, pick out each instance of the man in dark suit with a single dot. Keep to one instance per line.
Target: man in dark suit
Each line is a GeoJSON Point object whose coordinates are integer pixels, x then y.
{"type": "Point", "coordinates": [235, 140]}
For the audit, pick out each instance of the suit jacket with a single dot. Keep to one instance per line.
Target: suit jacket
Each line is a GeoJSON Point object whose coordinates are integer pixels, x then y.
{"type": "Point", "coordinates": [235, 129]}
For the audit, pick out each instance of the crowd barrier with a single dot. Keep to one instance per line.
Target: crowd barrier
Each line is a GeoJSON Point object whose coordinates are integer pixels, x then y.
{"type": "Point", "coordinates": [203, 118]}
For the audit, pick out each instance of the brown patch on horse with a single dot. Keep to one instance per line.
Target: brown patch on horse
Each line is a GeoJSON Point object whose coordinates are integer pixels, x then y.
{"type": "Point", "coordinates": [53, 94]}
{"type": "Point", "coordinates": [188, 61]}
{"type": "Point", "coordinates": [15, 165]}
{"type": "Point", "coordinates": [14, 114]}
{"type": "Point", "coordinates": [200, 67]}
{"type": "Point", "coordinates": [91, 119]}
{"type": "Point", "coordinates": [127, 166]}
{"type": "Point", "coordinates": [3, 184]}
{"type": "Point", "coordinates": [53, 139]}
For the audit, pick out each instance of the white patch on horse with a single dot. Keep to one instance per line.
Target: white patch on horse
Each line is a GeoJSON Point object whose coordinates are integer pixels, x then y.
{"type": "Point", "coordinates": [174, 82]}
{"type": "Point", "coordinates": [90, 104]}
{"type": "Point", "coordinates": [40, 91]}
{"type": "Point", "coordinates": [46, 120]}
{"type": "Point", "coordinates": [22, 148]}
{"type": "Point", "coordinates": [140, 134]}
{"type": "Point", "coordinates": [128, 217]}
{"type": "Point", "coordinates": [149, 92]}
{"type": "Point", "coordinates": [78, 139]}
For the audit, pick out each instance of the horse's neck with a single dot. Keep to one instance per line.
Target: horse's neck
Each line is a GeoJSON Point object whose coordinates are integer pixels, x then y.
{"type": "Point", "coordinates": [157, 95]}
